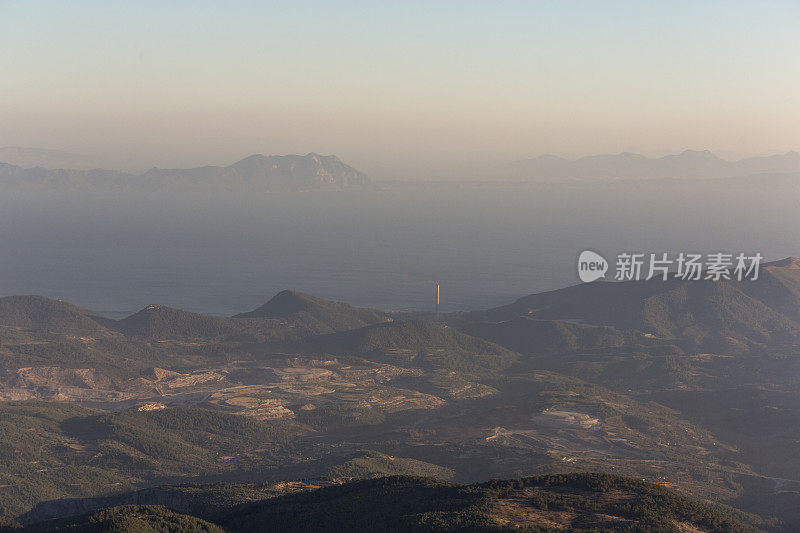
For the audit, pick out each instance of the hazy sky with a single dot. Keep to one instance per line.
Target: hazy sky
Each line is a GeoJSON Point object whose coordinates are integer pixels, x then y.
{"type": "Point", "coordinates": [387, 84]}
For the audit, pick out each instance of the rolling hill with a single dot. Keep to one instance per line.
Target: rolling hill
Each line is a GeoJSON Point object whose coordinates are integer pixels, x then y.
{"type": "Point", "coordinates": [725, 315]}
{"type": "Point", "coordinates": [315, 315]}
{"type": "Point", "coordinates": [577, 502]}
{"type": "Point", "coordinates": [215, 498]}
{"type": "Point", "coordinates": [527, 335]}
{"type": "Point", "coordinates": [414, 342]}
{"type": "Point", "coordinates": [44, 314]}
{"type": "Point", "coordinates": [580, 502]}
{"type": "Point", "coordinates": [158, 321]}
{"type": "Point", "coordinates": [288, 314]}
{"type": "Point", "coordinates": [129, 519]}
{"type": "Point", "coordinates": [54, 450]}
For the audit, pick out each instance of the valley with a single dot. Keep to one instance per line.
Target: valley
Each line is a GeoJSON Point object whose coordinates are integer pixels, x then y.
{"type": "Point", "coordinates": [303, 393]}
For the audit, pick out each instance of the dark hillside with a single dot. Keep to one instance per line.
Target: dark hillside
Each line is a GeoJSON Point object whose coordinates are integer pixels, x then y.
{"type": "Point", "coordinates": [530, 336]}
{"type": "Point", "coordinates": [158, 321]}
{"type": "Point", "coordinates": [129, 519]}
{"type": "Point", "coordinates": [726, 315]}
{"type": "Point", "coordinates": [316, 315]}
{"type": "Point", "coordinates": [40, 313]}
{"type": "Point", "coordinates": [575, 502]}
{"type": "Point", "coordinates": [415, 342]}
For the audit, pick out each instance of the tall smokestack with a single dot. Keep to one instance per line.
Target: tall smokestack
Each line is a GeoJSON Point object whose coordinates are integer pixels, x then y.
{"type": "Point", "coordinates": [437, 301]}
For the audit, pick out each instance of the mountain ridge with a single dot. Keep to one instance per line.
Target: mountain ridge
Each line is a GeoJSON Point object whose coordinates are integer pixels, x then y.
{"type": "Point", "coordinates": [727, 314]}
{"type": "Point", "coordinates": [689, 164]}
{"type": "Point", "coordinates": [28, 157]}
{"type": "Point", "coordinates": [256, 172]}
{"type": "Point", "coordinates": [297, 314]}
{"type": "Point", "coordinates": [575, 502]}
{"type": "Point", "coordinates": [323, 316]}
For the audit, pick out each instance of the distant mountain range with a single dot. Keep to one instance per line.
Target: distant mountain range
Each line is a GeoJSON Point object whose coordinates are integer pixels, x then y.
{"type": "Point", "coordinates": [689, 164]}
{"type": "Point", "coordinates": [37, 169]}
{"type": "Point", "coordinates": [254, 173]}
{"type": "Point", "coordinates": [22, 156]}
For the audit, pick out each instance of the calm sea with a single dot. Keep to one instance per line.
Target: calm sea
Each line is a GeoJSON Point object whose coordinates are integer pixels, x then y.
{"type": "Point", "coordinates": [486, 246]}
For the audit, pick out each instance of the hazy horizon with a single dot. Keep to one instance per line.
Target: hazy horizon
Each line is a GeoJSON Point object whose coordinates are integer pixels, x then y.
{"type": "Point", "coordinates": [210, 323]}
{"type": "Point", "coordinates": [418, 168]}
{"type": "Point", "coordinates": [416, 89]}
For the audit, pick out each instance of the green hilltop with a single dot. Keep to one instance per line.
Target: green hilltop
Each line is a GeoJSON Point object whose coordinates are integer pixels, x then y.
{"type": "Point", "coordinates": [729, 315]}
{"type": "Point", "coordinates": [580, 502]}
{"type": "Point", "coordinates": [577, 502]}
{"type": "Point", "coordinates": [315, 314]}
{"type": "Point", "coordinates": [55, 316]}
{"type": "Point", "coordinates": [413, 342]}
{"type": "Point", "coordinates": [128, 519]}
